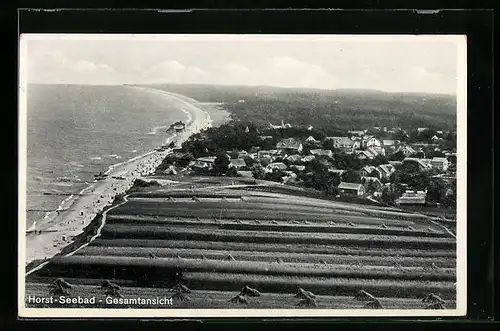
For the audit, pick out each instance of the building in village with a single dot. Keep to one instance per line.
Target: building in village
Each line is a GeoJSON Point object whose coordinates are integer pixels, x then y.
{"type": "Point", "coordinates": [422, 165]}
{"type": "Point", "coordinates": [312, 140]}
{"type": "Point", "coordinates": [276, 166]}
{"type": "Point", "coordinates": [289, 146]}
{"type": "Point", "coordinates": [412, 199]}
{"type": "Point", "coordinates": [204, 163]}
{"type": "Point", "coordinates": [370, 141]}
{"type": "Point", "coordinates": [322, 152]}
{"type": "Point", "coordinates": [440, 163]}
{"type": "Point", "coordinates": [353, 189]}
{"type": "Point", "coordinates": [344, 144]}
{"type": "Point", "coordinates": [374, 181]}
{"type": "Point", "coordinates": [237, 164]}
{"type": "Point", "coordinates": [407, 150]}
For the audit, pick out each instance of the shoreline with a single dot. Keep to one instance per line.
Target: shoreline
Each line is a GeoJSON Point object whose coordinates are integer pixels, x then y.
{"type": "Point", "coordinates": [68, 223]}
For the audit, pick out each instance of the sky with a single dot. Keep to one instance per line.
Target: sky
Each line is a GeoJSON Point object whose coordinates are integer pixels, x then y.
{"type": "Point", "coordinates": [392, 64]}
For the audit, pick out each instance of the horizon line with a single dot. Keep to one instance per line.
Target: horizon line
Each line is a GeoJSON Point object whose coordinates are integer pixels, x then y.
{"type": "Point", "coordinates": [257, 86]}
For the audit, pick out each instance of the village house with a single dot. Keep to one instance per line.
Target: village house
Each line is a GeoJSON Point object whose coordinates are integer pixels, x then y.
{"type": "Point", "coordinates": [266, 153]}
{"type": "Point", "coordinates": [420, 130]}
{"type": "Point", "coordinates": [405, 149]}
{"type": "Point", "coordinates": [289, 146]}
{"type": "Point", "coordinates": [204, 163]}
{"type": "Point", "coordinates": [312, 140]}
{"type": "Point", "coordinates": [386, 170]}
{"type": "Point", "coordinates": [367, 171]}
{"type": "Point", "coordinates": [308, 158]}
{"type": "Point", "coordinates": [357, 133]}
{"type": "Point", "coordinates": [283, 125]}
{"type": "Point", "coordinates": [412, 199]}
{"type": "Point", "coordinates": [365, 155]}
{"type": "Point", "coordinates": [298, 167]}
{"type": "Point", "coordinates": [422, 165]}
{"type": "Point", "coordinates": [345, 144]}
{"type": "Point", "coordinates": [370, 141]}
{"type": "Point", "coordinates": [339, 172]}
{"type": "Point", "coordinates": [440, 163]}
{"type": "Point", "coordinates": [351, 189]}
{"type": "Point", "coordinates": [276, 166]}
{"type": "Point", "coordinates": [374, 180]}
{"type": "Point", "coordinates": [322, 152]}
{"type": "Point", "coordinates": [237, 164]}
{"type": "Point", "coordinates": [295, 158]}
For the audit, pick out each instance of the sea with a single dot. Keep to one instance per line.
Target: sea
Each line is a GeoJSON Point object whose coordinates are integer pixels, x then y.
{"type": "Point", "coordinates": [76, 131]}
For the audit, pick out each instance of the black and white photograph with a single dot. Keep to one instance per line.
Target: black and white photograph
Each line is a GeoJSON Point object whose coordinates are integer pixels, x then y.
{"type": "Point", "coordinates": [202, 175]}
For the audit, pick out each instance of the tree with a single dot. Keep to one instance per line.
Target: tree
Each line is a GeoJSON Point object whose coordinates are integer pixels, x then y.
{"type": "Point", "coordinates": [328, 144]}
{"type": "Point", "coordinates": [452, 159]}
{"type": "Point", "coordinates": [234, 153]}
{"type": "Point", "coordinates": [351, 176]}
{"type": "Point", "coordinates": [378, 160]}
{"type": "Point", "coordinates": [371, 187]}
{"type": "Point", "coordinates": [435, 190]}
{"type": "Point", "coordinates": [249, 161]}
{"type": "Point", "coordinates": [221, 163]}
{"type": "Point", "coordinates": [258, 171]}
{"type": "Point", "coordinates": [398, 156]}
{"type": "Point", "coordinates": [185, 159]}
{"type": "Point", "coordinates": [388, 196]}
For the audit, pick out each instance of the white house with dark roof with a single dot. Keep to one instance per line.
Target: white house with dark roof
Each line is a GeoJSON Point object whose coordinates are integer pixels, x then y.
{"type": "Point", "coordinates": [351, 188]}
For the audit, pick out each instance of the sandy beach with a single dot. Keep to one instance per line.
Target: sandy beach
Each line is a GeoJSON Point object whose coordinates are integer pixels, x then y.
{"type": "Point", "coordinates": [75, 213]}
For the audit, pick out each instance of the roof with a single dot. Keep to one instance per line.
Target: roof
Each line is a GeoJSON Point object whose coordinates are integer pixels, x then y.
{"type": "Point", "coordinates": [341, 140]}
{"type": "Point", "coordinates": [321, 152]}
{"type": "Point", "coordinates": [308, 158]}
{"type": "Point", "coordinates": [421, 162]}
{"type": "Point", "coordinates": [289, 143]}
{"type": "Point", "coordinates": [238, 162]}
{"type": "Point", "coordinates": [368, 169]}
{"type": "Point", "coordinates": [311, 138]}
{"type": "Point", "coordinates": [209, 159]}
{"type": "Point", "coordinates": [439, 159]}
{"type": "Point", "coordinates": [389, 142]}
{"type": "Point", "coordinates": [294, 158]}
{"type": "Point", "coordinates": [411, 198]}
{"type": "Point", "coordinates": [336, 171]}
{"type": "Point", "coordinates": [387, 168]}
{"type": "Point", "coordinates": [298, 167]}
{"type": "Point", "coordinates": [350, 186]}
{"type": "Point", "coordinates": [372, 179]}
{"type": "Point", "coordinates": [393, 163]}
{"type": "Point", "coordinates": [368, 153]}
{"type": "Point", "coordinates": [373, 151]}
{"type": "Point", "coordinates": [277, 165]}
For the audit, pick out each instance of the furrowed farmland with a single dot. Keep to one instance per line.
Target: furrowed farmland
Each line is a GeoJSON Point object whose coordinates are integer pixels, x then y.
{"type": "Point", "coordinates": [219, 243]}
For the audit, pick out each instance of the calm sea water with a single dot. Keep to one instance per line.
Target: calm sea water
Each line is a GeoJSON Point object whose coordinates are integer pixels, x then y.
{"type": "Point", "coordinates": [75, 131]}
